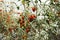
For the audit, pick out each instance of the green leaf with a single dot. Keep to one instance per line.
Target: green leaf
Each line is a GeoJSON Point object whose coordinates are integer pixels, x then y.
{"type": "Point", "coordinates": [18, 7]}
{"type": "Point", "coordinates": [18, 0]}
{"type": "Point", "coordinates": [36, 1]}
{"type": "Point", "coordinates": [39, 14]}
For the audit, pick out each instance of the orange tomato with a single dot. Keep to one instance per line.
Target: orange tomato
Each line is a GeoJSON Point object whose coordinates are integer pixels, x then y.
{"type": "Point", "coordinates": [24, 36]}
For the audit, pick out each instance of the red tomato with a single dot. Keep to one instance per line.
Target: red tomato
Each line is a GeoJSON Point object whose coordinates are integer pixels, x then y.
{"type": "Point", "coordinates": [10, 29]}
{"type": "Point", "coordinates": [27, 29]}
{"type": "Point", "coordinates": [34, 9]}
{"type": "Point", "coordinates": [22, 17]}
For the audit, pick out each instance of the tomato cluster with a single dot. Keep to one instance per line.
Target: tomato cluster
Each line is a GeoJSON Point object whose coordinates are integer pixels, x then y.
{"type": "Point", "coordinates": [31, 17]}
{"type": "Point", "coordinates": [21, 21]}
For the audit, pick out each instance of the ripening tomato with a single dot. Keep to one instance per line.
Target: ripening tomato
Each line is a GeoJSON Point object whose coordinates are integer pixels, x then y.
{"type": "Point", "coordinates": [8, 18]}
{"type": "Point", "coordinates": [34, 9]}
{"type": "Point", "coordinates": [24, 36]}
